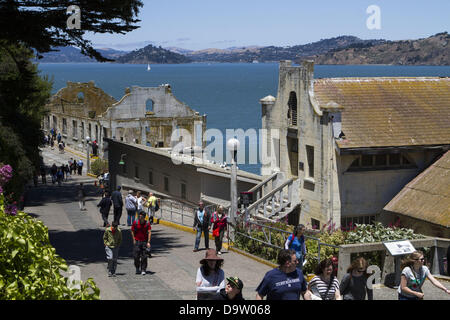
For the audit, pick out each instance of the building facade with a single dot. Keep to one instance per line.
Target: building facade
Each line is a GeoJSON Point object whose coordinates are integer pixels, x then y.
{"type": "Point", "coordinates": [146, 116]}
{"type": "Point", "coordinates": [353, 143]}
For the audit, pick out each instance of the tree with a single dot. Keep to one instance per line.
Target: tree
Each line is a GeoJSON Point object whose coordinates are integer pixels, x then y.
{"type": "Point", "coordinates": [42, 24]}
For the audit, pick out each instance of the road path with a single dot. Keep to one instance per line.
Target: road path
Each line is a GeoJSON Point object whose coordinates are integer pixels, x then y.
{"type": "Point", "coordinates": [77, 237]}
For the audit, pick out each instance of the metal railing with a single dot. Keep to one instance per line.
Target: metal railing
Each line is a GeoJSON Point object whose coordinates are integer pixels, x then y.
{"type": "Point", "coordinates": [268, 230]}
{"type": "Point", "coordinates": [176, 212]}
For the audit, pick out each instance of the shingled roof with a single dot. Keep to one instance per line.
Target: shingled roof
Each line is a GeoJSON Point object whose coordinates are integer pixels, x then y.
{"type": "Point", "coordinates": [427, 197]}
{"type": "Point", "coordinates": [387, 112]}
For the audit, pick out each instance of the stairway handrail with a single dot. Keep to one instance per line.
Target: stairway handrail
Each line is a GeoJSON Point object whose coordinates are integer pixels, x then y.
{"type": "Point", "coordinates": [270, 194]}
{"type": "Point", "coordinates": [258, 186]}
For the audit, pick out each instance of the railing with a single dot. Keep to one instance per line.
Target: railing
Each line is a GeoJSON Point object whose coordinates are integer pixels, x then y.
{"type": "Point", "coordinates": [268, 230]}
{"type": "Point", "coordinates": [176, 212]}
{"type": "Point", "coordinates": [276, 200]}
{"type": "Point", "coordinates": [261, 189]}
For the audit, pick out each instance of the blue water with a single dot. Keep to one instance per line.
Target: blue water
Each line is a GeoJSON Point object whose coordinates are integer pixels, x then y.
{"type": "Point", "coordinates": [227, 93]}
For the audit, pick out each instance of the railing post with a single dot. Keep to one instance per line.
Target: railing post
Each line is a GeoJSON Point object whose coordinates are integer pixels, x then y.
{"type": "Point", "coordinates": [182, 214]}
{"type": "Point", "coordinates": [318, 252]}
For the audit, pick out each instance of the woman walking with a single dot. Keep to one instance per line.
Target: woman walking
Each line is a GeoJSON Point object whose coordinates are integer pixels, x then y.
{"type": "Point", "coordinates": [296, 242]}
{"type": "Point", "coordinates": [354, 283]}
{"type": "Point", "coordinates": [325, 286]}
{"type": "Point", "coordinates": [210, 276]}
{"type": "Point", "coordinates": [219, 221]}
{"type": "Point", "coordinates": [413, 277]}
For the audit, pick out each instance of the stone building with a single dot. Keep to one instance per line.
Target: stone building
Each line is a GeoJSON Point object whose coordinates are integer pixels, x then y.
{"type": "Point", "coordinates": [146, 116]}
{"type": "Point", "coordinates": [352, 144]}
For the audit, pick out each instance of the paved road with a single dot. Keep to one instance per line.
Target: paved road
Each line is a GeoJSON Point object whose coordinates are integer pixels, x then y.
{"type": "Point", "coordinates": [77, 237]}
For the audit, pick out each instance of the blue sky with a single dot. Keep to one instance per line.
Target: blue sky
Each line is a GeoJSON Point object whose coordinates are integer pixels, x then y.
{"type": "Point", "coordinates": [201, 24]}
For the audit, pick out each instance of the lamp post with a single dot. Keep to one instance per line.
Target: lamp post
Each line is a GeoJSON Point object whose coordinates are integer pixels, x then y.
{"type": "Point", "coordinates": [233, 146]}
{"type": "Point", "coordinates": [88, 156]}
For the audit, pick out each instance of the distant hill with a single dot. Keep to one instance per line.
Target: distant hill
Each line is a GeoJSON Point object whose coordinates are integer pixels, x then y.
{"type": "Point", "coordinates": [434, 50]}
{"type": "Point", "coordinates": [153, 55]}
{"type": "Point", "coordinates": [71, 54]}
{"type": "Point", "coordinates": [273, 53]}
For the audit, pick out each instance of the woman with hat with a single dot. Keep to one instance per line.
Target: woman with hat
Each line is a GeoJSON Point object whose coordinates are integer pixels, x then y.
{"type": "Point", "coordinates": [210, 276]}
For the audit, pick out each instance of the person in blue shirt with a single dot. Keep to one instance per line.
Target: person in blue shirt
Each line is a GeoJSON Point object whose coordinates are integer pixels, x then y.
{"type": "Point", "coordinates": [285, 282]}
{"type": "Point", "coordinates": [202, 221]}
{"type": "Point", "coordinates": [296, 242]}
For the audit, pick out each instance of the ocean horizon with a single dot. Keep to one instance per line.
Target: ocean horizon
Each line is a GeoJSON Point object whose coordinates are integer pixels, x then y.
{"type": "Point", "coordinates": [228, 93]}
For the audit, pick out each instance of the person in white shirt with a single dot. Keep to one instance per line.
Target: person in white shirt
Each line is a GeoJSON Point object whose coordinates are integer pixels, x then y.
{"type": "Point", "coordinates": [210, 276]}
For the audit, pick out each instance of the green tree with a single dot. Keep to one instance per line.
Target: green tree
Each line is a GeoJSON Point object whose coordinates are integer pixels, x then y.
{"type": "Point", "coordinates": [42, 24]}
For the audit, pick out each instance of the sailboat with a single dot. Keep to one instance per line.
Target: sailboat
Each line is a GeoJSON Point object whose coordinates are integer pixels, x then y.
{"type": "Point", "coordinates": [148, 67]}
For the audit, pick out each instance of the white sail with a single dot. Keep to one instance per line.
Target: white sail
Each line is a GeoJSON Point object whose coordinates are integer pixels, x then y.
{"type": "Point", "coordinates": [148, 67]}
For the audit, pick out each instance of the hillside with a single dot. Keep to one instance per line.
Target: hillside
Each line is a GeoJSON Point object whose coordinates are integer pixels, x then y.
{"type": "Point", "coordinates": [71, 54]}
{"type": "Point", "coordinates": [153, 55]}
{"type": "Point", "coordinates": [429, 51]}
{"type": "Point", "coordinates": [272, 53]}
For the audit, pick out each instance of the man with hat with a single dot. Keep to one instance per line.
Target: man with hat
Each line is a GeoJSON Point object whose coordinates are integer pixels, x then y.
{"type": "Point", "coordinates": [233, 290]}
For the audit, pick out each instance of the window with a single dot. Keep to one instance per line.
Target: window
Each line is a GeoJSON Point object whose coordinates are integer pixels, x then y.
{"type": "Point", "coordinates": [385, 161]}
{"type": "Point", "coordinates": [310, 158]}
{"type": "Point", "coordinates": [349, 222]}
{"type": "Point", "coordinates": [315, 224]}
{"type": "Point", "coordinates": [183, 191]}
{"type": "Point", "coordinates": [150, 177]}
{"type": "Point", "coordinates": [149, 105]}
{"type": "Point", "coordinates": [64, 128]}
{"type": "Point", "coordinates": [75, 128]}
{"type": "Point", "coordinates": [90, 131]}
{"type": "Point", "coordinates": [96, 132]}
{"type": "Point", "coordinates": [166, 184]}
{"type": "Point", "coordinates": [80, 97]}
{"type": "Point", "coordinates": [292, 111]}
{"type": "Point", "coordinates": [136, 172]}
{"type": "Point", "coordinates": [82, 130]}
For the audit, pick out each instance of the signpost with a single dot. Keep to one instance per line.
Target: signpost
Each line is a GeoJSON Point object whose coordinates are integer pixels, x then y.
{"type": "Point", "coordinates": [397, 249]}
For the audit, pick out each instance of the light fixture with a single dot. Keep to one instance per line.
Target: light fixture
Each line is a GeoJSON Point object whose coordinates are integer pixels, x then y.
{"type": "Point", "coordinates": [122, 162]}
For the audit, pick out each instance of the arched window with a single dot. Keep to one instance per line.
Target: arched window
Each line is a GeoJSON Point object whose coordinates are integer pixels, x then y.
{"type": "Point", "coordinates": [292, 112]}
{"type": "Point", "coordinates": [149, 106]}
{"type": "Point", "coordinates": [80, 97]}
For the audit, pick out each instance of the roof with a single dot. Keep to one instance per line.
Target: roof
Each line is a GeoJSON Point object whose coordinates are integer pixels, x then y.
{"type": "Point", "coordinates": [427, 197]}
{"type": "Point", "coordinates": [388, 112]}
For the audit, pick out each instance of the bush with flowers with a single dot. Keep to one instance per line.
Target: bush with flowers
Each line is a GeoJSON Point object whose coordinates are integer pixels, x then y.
{"type": "Point", "coordinates": [30, 269]}
{"type": "Point", "coordinates": [328, 234]}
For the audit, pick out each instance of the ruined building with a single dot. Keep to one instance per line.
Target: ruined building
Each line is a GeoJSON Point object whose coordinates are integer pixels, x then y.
{"type": "Point", "coordinates": [146, 116]}
{"type": "Point", "coordinates": [352, 144]}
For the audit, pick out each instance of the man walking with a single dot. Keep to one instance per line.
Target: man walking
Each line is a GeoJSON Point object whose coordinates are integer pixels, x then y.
{"type": "Point", "coordinates": [105, 206]}
{"type": "Point", "coordinates": [112, 238]}
{"type": "Point", "coordinates": [116, 198]}
{"type": "Point", "coordinates": [152, 203]}
{"type": "Point", "coordinates": [80, 167]}
{"type": "Point", "coordinates": [82, 197]}
{"type": "Point", "coordinates": [141, 232]}
{"type": "Point", "coordinates": [131, 207]}
{"type": "Point", "coordinates": [285, 282]}
{"type": "Point", "coordinates": [202, 222]}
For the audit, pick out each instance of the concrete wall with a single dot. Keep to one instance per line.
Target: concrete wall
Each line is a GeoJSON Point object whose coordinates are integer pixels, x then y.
{"type": "Point", "coordinates": [212, 182]}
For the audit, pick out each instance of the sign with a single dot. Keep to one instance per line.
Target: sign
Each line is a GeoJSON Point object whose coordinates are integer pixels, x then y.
{"type": "Point", "coordinates": [398, 248]}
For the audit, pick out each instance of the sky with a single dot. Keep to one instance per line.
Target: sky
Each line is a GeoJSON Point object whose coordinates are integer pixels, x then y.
{"type": "Point", "coordinates": [202, 24]}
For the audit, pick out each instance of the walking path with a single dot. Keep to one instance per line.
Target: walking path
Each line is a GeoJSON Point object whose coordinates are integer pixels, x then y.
{"type": "Point", "coordinates": [77, 237]}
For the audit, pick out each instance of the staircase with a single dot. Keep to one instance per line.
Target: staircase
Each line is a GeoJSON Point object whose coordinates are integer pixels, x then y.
{"type": "Point", "coordinates": [274, 198]}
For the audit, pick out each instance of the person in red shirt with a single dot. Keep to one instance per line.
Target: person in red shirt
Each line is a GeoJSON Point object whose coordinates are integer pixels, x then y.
{"type": "Point", "coordinates": [141, 232]}
{"type": "Point", "coordinates": [219, 221]}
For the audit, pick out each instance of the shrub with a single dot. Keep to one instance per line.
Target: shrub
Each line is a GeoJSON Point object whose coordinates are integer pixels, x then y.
{"type": "Point", "coordinates": [29, 266]}
{"type": "Point", "coordinates": [99, 166]}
